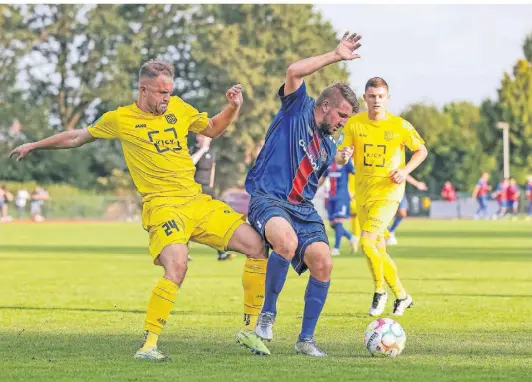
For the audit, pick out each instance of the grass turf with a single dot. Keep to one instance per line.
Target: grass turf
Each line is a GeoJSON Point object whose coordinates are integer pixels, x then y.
{"type": "Point", "coordinates": [74, 296]}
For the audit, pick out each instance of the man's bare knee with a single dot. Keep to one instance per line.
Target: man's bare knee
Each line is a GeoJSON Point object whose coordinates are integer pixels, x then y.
{"type": "Point", "coordinates": [174, 259]}
{"type": "Point", "coordinates": [285, 245]}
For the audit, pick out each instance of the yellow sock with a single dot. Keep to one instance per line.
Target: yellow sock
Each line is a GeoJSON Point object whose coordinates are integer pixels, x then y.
{"type": "Point", "coordinates": [253, 280]}
{"type": "Point", "coordinates": [391, 276]}
{"type": "Point", "coordinates": [159, 308]}
{"type": "Point", "coordinates": [355, 226]}
{"type": "Point", "coordinates": [386, 234]}
{"type": "Point", "coordinates": [375, 262]}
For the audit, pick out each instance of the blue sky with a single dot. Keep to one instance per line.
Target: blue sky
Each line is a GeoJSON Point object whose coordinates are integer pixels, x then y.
{"type": "Point", "coordinates": [434, 53]}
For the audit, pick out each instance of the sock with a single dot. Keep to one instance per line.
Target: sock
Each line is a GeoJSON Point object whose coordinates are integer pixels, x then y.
{"type": "Point", "coordinates": [276, 272]}
{"type": "Point", "coordinates": [315, 296]}
{"type": "Point", "coordinates": [375, 262]}
{"type": "Point", "coordinates": [161, 303]}
{"type": "Point", "coordinates": [390, 274]}
{"type": "Point", "coordinates": [338, 231]}
{"type": "Point", "coordinates": [346, 233]}
{"type": "Point", "coordinates": [396, 221]}
{"type": "Point", "coordinates": [253, 280]}
{"type": "Point", "coordinates": [355, 226]}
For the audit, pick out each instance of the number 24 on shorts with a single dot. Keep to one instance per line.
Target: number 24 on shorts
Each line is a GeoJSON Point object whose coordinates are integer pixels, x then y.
{"type": "Point", "coordinates": [168, 226]}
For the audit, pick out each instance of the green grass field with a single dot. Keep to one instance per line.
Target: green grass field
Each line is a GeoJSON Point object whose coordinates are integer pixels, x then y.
{"type": "Point", "coordinates": [73, 298]}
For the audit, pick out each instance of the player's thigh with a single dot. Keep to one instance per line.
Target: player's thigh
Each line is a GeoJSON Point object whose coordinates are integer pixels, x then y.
{"type": "Point", "coordinates": [247, 241]}
{"type": "Point", "coordinates": [318, 260]}
{"type": "Point", "coordinates": [167, 225]}
{"type": "Point", "coordinates": [379, 214]}
{"type": "Point", "coordinates": [214, 222]}
{"type": "Point", "coordinates": [281, 235]}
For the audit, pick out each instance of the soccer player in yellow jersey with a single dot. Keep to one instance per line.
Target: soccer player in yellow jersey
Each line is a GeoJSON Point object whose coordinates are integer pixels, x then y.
{"type": "Point", "coordinates": [153, 133]}
{"type": "Point", "coordinates": [379, 139]}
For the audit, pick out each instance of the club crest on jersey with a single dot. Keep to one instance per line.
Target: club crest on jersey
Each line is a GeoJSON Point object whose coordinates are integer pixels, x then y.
{"type": "Point", "coordinates": [170, 118]}
{"type": "Point", "coordinates": [389, 135]}
{"type": "Point", "coordinates": [323, 154]}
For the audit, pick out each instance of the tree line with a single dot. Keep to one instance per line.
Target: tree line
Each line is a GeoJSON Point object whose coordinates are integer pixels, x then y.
{"type": "Point", "coordinates": [61, 66]}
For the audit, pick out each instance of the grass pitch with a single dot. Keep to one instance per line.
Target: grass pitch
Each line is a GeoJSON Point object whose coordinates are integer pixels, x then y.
{"type": "Point", "coordinates": [73, 298]}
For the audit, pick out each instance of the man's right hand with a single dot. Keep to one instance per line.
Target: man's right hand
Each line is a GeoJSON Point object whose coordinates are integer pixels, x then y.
{"type": "Point", "coordinates": [348, 45]}
{"type": "Point", "coordinates": [23, 151]}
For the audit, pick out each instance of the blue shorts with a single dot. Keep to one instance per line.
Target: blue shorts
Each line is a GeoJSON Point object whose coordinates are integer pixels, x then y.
{"type": "Point", "coordinates": [505, 204]}
{"type": "Point", "coordinates": [404, 204]}
{"type": "Point", "coordinates": [338, 208]}
{"type": "Point", "coordinates": [303, 218]}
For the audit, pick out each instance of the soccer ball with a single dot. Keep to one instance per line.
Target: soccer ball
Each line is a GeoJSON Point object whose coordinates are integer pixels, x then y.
{"type": "Point", "coordinates": [385, 337]}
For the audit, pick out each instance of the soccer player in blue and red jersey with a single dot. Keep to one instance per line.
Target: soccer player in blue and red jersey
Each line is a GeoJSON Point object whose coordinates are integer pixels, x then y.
{"type": "Point", "coordinates": [298, 148]}
{"type": "Point", "coordinates": [480, 193]}
{"type": "Point", "coordinates": [339, 202]}
{"type": "Point", "coordinates": [513, 194]}
{"type": "Point", "coordinates": [528, 190]}
{"type": "Point", "coordinates": [501, 194]}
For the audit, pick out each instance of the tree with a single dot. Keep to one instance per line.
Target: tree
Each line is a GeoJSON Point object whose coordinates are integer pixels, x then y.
{"type": "Point", "coordinates": [254, 45]}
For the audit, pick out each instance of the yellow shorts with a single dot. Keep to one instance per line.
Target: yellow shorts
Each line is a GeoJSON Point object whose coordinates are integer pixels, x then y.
{"type": "Point", "coordinates": [375, 216]}
{"type": "Point", "coordinates": [179, 220]}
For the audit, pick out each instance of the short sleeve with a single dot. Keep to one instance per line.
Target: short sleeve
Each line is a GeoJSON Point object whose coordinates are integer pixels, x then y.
{"type": "Point", "coordinates": [411, 138]}
{"type": "Point", "coordinates": [105, 127]}
{"type": "Point", "coordinates": [295, 101]}
{"type": "Point", "coordinates": [197, 122]}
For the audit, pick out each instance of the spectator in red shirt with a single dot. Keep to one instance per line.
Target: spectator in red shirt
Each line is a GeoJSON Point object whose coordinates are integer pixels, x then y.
{"type": "Point", "coordinates": [448, 193]}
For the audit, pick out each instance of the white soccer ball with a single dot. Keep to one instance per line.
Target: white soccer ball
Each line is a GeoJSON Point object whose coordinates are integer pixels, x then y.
{"type": "Point", "coordinates": [385, 337]}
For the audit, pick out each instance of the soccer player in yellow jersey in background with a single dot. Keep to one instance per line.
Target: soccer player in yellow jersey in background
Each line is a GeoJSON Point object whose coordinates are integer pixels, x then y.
{"type": "Point", "coordinates": [153, 133]}
{"type": "Point", "coordinates": [379, 139]}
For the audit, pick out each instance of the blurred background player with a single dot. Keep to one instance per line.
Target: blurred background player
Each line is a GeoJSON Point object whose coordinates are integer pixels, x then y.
{"type": "Point", "coordinates": [513, 198]}
{"type": "Point", "coordinates": [20, 201]}
{"type": "Point", "coordinates": [6, 197]}
{"type": "Point", "coordinates": [338, 203]}
{"type": "Point", "coordinates": [204, 158]}
{"type": "Point", "coordinates": [298, 149]}
{"type": "Point", "coordinates": [402, 212]}
{"type": "Point", "coordinates": [448, 193]}
{"type": "Point", "coordinates": [480, 193]}
{"type": "Point", "coordinates": [501, 194]}
{"type": "Point", "coordinates": [379, 139]}
{"type": "Point", "coordinates": [38, 196]}
{"type": "Point", "coordinates": [528, 191]}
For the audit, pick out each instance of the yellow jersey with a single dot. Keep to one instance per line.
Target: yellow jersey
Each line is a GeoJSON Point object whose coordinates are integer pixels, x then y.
{"type": "Point", "coordinates": [379, 149]}
{"type": "Point", "coordinates": [155, 146]}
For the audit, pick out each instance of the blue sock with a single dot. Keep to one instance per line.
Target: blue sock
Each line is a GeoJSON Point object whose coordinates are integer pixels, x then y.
{"type": "Point", "coordinates": [346, 233]}
{"type": "Point", "coordinates": [398, 218]}
{"type": "Point", "coordinates": [276, 271]}
{"type": "Point", "coordinates": [315, 297]}
{"type": "Point", "coordinates": [338, 233]}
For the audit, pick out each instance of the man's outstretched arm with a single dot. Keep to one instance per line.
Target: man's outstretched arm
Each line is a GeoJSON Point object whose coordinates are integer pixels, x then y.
{"type": "Point", "coordinates": [300, 69]}
{"type": "Point", "coordinates": [65, 140]}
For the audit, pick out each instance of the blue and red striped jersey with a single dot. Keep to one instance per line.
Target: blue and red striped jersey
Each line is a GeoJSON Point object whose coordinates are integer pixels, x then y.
{"type": "Point", "coordinates": [295, 153]}
{"type": "Point", "coordinates": [338, 176]}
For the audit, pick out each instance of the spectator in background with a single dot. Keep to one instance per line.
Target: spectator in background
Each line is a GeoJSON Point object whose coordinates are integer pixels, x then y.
{"type": "Point", "coordinates": [513, 197]}
{"type": "Point", "coordinates": [480, 193]}
{"type": "Point", "coordinates": [528, 191]}
{"type": "Point", "coordinates": [20, 201]}
{"type": "Point", "coordinates": [5, 198]}
{"type": "Point", "coordinates": [204, 158]}
{"type": "Point", "coordinates": [448, 192]}
{"type": "Point", "coordinates": [38, 196]}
